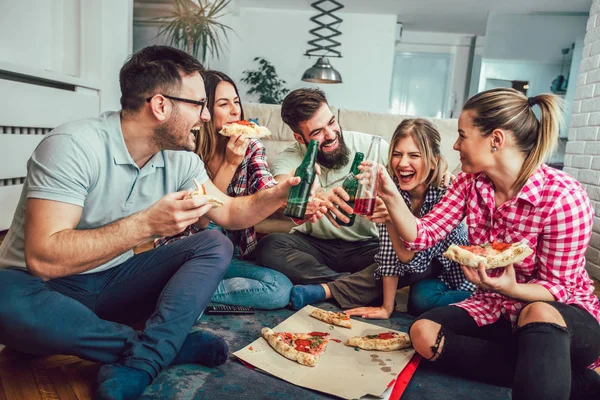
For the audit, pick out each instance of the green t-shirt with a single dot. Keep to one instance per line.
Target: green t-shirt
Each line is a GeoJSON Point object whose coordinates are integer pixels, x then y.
{"type": "Point", "coordinates": [290, 159]}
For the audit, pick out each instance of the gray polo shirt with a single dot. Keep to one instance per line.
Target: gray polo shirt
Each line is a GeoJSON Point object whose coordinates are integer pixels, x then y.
{"type": "Point", "coordinates": [87, 164]}
{"type": "Point", "coordinates": [362, 229]}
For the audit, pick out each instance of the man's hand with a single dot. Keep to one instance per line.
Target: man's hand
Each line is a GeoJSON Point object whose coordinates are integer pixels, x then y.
{"type": "Point", "coordinates": [172, 214]}
{"type": "Point", "coordinates": [333, 200]}
{"type": "Point", "coordinates": [380, 214]}
{"type": "Point", "coordinates": [370, 312]}
{"type": "Point", "coordinates": [236, 149]}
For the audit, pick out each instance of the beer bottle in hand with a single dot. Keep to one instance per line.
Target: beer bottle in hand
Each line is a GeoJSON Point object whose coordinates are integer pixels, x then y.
{"type": "Point", "coordinates": [350, 185]}
{"type": "Point", "coordinates": [299, 194]}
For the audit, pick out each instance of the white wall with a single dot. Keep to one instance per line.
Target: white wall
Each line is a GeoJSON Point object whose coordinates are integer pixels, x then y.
{"type": "Point", "coordinates": [536, 38]}
{"type": "Point", "coordinates": [582, 158]}
{"type": "Point", "coordinates": [281, 36]}
{"type": "Point", "coordinates": [367, 47]}
{"type": "Point", "coordinates": [457, 45]}
{"type": "Point", "coordinates": [78, 42]}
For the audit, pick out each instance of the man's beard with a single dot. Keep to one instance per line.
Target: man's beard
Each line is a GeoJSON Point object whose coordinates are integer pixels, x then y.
{"type": "Point", "coordinates": [336, 159]}
{"type": "Point", "coordinates": [165, 135]}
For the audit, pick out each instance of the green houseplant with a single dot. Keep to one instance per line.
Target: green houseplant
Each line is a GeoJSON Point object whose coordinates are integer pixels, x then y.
{"type": "Point", "coordinates": [265, 82]}
{"type": "Point", "coordinates": [194, 27]}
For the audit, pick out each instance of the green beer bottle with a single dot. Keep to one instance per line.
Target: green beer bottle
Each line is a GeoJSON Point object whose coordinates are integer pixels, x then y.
{"type": "Point", "coordinates": [350, 185]}
{"type": "Point", "coordinates": [299, 194]}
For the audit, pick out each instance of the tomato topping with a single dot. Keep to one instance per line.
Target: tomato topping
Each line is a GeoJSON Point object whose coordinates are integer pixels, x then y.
{"type": "Point", "coordinates": [288, 335]}
{"type": "Point", "coordinates": [303, 349]}
{"type": "Point", "coordinates": [244, 122]}
{"type": "Point", "coordinates": [303, 342]}
{"type": "Point", "coordinates": [320, 334]}
{"type": "Point", "coordinates": [337, 340]}
{"type": "Point", "coordinates": [500, 246]}
{"type": "Point", "coordinates": [386, 335]}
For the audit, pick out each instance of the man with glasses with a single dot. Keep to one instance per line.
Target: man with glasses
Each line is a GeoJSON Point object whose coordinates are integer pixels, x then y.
{"type": "Point", "coordinates": [97, 188]}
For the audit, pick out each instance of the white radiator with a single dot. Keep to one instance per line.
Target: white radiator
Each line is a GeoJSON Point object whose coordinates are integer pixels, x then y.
{"type": "Point", "coordinates": [27, 112]}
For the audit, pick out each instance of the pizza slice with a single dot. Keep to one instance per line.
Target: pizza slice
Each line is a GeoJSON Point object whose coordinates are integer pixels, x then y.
{"type": "Point", "coordinates": [491, 255]}
{"type": "Point", "coordinates": [247, 128]}
{"type": "Point", "coordinates": [334, 318]}
{"type": "Point", "coordinates": [201, 191]}
{"type": "Point", "coordinates": [304, 348]}
{"type": "Point", "coordinates": [386, 341]}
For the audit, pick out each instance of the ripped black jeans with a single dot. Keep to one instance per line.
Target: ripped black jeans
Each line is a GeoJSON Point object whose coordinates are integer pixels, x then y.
{"type": "Point", "coordinates": [538, 360]}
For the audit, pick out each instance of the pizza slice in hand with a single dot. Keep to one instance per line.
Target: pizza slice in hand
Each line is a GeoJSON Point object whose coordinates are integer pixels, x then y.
{"type": "Point", "coordinates": [304, 348]}
{"type": "Point", "coordinates": [491, 255]}
{"type": "Point", "coordinates": [334, 318]}
{"type": "Point", "coordinates": [249, 129]}
{"type": "Point", "coordinates": [386, 341]}
{"type": "Point", "coordinates": [200, 191]}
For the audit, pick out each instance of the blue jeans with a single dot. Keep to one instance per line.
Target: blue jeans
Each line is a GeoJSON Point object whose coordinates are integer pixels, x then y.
{"type": "Point", "coordinates": [432, 293]}
{"type": "Point", "coordinates": [247, 284]}
{"type": "Point", "coordinates": [77, 314]}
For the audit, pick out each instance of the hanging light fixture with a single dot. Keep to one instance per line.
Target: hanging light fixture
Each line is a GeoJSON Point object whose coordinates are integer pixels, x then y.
{"type": "Point", "coordinates": [323, 45]}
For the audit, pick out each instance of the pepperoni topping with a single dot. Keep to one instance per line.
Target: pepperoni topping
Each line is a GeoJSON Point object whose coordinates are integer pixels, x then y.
{"type": "Point", "coordinates": [319, 334]}
{"type": "Point", "coordinates": [500, 246]}
{"type": "Point", "coordinates": [303, 342]}
{"type": "Point", "coordinates": [386, 335]}
{"type": "Point", "coordinates": [303, 349]}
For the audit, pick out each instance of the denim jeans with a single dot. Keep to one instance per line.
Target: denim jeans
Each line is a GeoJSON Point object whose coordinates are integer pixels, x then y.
{"type": "Point", "coordinates": [432, 293]}
{"type": "Point", "coordinates": [78, 314]}
{"type": "Point", "coordinates": [248, 284]}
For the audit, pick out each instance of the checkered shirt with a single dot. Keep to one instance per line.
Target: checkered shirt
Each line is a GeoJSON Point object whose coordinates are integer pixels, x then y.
{"type": "Point", "coordinates": [451, 274]}
{"type": "Point", "coordinates": [552, 214]}
{"type": "Point", "coordinates": [251, 176]}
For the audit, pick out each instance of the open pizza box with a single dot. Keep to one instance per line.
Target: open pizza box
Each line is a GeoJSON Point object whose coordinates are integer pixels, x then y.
{"type": "Point", "coordinates": [342, 371]}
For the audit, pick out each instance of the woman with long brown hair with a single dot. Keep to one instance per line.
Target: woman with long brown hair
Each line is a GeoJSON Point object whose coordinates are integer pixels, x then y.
{"type": "Point", "coordinates": [238, 167]}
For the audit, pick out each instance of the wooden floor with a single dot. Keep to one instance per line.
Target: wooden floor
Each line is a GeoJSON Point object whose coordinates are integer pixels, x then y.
{"type": "Point", "coordinates": [24, 377]}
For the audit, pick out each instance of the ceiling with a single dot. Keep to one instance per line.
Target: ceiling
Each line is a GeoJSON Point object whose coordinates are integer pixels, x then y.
{"type": "Point", "coordinates": [459, 16]}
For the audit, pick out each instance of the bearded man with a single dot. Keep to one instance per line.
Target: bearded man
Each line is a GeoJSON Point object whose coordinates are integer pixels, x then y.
{"type": "Point", "coordinates": [321, 251]}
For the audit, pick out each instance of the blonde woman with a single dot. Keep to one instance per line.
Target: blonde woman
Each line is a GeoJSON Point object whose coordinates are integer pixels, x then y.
{"type": "Point", "coordinates": [534, 325]}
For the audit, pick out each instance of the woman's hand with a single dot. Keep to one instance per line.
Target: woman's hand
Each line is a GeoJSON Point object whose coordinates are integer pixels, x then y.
{"type": "Point", "coordinates": [385, 185]}
{"type": "Point", "coordinates": [236, 150]}
{"type": "Point", "coordinates": [380, 214]}
{"type": "Point", "coordinates": [370, 312]}
{"type": "Point", "coordinates": [505, 284]}
{"type": "Point", "coordinates": [447, 178]}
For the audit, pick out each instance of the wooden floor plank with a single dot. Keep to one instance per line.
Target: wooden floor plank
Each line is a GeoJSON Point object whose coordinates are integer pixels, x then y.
{"type": "Point", "coordinates": [2, 394]}
{"type": "Point", "coordinates": [19, 383]}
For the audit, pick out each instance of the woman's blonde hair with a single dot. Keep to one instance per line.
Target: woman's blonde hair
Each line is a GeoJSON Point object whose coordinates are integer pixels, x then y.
{"type": "Point", "coordinates": [427, 138]}
{"type": "Point", "coordinates": [506, 108]}
{"type": "Point", "coordinates": [208, 138]}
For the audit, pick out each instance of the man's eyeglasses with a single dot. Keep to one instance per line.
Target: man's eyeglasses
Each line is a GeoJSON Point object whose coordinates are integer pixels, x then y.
{"type": "Point", "coordinates": [201, 104]}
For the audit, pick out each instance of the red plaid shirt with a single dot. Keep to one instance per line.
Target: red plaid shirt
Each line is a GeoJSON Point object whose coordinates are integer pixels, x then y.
{"type": "Point", "coordinates": [552, 214]}
{"type": "Point", "coordinates": [251, 176]}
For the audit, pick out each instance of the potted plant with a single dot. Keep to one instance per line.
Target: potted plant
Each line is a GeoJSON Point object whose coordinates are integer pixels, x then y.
{"type": "Point", "coordinates": [194, 27]}
{"type": "Point", "coordinates": [265, 83]}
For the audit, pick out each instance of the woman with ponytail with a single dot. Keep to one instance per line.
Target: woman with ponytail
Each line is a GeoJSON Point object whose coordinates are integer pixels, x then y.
{"type": "Point", "coordinates": [533, 326]}
{"type": "Point", "coordinates": [420, 177]}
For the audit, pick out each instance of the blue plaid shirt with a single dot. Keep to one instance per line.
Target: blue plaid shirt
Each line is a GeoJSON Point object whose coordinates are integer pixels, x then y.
{"type": "Point", "coordinates": [451, 274]}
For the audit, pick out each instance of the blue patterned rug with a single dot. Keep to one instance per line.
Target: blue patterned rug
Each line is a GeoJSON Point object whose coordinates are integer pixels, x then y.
{"type": "Point", "coordinates": [232, 380]}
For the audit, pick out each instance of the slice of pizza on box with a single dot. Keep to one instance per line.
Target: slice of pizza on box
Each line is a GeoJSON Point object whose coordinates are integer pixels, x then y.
{"type": "Point", "coordinates": [304, 348]}
{"type": "Point", "coordinates": [247, 128]}
{"type": "Point", "coordinates": [491, 255]}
